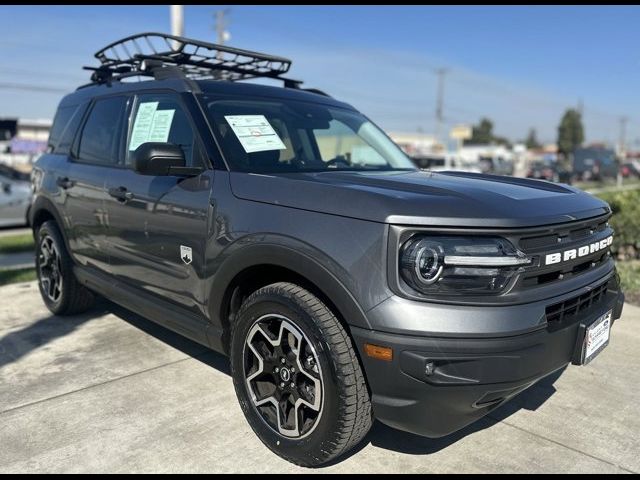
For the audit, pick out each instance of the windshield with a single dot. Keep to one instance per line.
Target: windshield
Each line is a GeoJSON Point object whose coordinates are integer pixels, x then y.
{"type": "Point", "coordinates": [271, 136]}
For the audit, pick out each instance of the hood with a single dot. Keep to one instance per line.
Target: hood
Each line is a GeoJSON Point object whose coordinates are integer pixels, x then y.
{"type": "Point", "coordinates": [423, 198]}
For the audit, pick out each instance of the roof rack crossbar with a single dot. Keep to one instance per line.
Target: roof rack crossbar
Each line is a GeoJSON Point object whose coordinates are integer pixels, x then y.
{"type": "Point", "coordinates": [195, 59]}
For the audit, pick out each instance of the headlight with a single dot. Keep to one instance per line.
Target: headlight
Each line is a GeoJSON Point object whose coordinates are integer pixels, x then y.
{"type": "Point", "coordinates": [448, 265]}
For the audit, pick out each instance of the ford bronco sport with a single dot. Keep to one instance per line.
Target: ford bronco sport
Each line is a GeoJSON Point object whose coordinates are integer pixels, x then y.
{"type": "Point", "coordinates": [283, 228]}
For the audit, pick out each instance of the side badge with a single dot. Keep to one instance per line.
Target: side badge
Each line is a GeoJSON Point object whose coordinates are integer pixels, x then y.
{"type": "Point", "coordinates": [186, 254]}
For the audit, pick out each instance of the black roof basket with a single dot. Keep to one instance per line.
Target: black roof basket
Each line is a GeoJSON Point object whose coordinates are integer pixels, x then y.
{"type": "Point", "coordinates": [161, 55]}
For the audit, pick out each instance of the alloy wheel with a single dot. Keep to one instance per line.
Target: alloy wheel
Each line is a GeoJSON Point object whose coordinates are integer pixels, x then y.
{"type": "Point", "coordinates": [283, 376]}
{"type": "Point", "coordinates": [50, 268]}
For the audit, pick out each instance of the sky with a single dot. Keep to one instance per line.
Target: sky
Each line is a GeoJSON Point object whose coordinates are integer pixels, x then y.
{"type": "Point", "coordinates": [519, 66]}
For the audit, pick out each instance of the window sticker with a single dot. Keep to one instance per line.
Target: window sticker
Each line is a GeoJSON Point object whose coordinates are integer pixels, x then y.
{"type": "Point", "coordinates": [150, 125]}
{"type": "Point", "coordinates": [142, 124]}
{"type": "Point", "coordinates": [255, 133]}
{"type": "Point", "coordinates": [161, 125]}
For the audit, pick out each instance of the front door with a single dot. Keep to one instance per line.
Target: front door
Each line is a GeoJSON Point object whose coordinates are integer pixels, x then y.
{"type": "Point", "coordinates": [157, 225]}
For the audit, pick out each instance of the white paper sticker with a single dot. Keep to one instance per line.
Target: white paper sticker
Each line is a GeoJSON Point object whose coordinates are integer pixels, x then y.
{"type": "Point", "coordinates": [255, 133]}
{"type": "Point", "coordinates": [142, 124]}
{"type": "Point", "coordinates": [150, 125]}
{"type": "Point", "coordinates": [161, 126]}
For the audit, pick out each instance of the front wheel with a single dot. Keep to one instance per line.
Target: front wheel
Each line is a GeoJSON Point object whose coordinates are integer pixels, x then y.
{"type": "Point", "coordinates": [297, 377]}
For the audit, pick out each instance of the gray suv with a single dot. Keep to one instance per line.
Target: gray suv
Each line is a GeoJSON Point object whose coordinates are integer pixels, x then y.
{"type": "Point", "coordinates": [283, 228]}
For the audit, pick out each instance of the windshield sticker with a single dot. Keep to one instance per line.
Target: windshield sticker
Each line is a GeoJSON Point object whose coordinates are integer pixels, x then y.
{"type": "Point", "coordinates": [255, 133]}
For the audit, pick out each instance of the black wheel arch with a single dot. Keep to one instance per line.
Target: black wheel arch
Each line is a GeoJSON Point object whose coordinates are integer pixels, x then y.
{"type": "Point", "coordinates": [252, 267]}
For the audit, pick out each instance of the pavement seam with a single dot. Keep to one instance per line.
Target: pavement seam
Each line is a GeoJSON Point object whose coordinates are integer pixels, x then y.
{"type": "Point", "coordinates": [573, 449]}
{"type": "Point", "coordinates": [157, 367]}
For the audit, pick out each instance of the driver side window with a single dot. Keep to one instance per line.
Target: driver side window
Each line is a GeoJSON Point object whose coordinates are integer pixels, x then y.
{"type": "Point", "coordinates": [162, 118]}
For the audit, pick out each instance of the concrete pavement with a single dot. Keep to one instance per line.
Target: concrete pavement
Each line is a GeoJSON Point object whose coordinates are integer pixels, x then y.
{"type": "Point", "coordinates": [111, 392]}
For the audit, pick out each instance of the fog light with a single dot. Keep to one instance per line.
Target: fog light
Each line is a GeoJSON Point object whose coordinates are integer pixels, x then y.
{"type": "Point", "coordinates": [429, 368]}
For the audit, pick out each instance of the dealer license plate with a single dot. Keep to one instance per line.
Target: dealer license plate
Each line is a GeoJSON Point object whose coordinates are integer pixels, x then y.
{"type": "Point", "coordinates": [596, 337]}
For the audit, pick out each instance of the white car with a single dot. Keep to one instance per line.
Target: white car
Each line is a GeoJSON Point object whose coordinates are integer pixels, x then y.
{"type": "Point", "coordinates": [15, 199]}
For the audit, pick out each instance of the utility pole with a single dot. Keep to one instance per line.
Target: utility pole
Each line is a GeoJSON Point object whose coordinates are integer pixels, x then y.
{"type": "Point", "coordinates": [622, 146]}
{"type": "Point", "coordinates": [177, 20]}
{"type": "Point", "coordinates": [441, 72]}
{"type": "Point", "coordinates": [222, 34]}
{"type": "Point", "coordinates": [177, 23]}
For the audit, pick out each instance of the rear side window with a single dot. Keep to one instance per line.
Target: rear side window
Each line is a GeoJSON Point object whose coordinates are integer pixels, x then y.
{"type": "Point", "coordinates": [102, 131]}
{"type": "Point", "coordinates": [60, 143]}
{"type": "Point", "coordinates": [60, 122]}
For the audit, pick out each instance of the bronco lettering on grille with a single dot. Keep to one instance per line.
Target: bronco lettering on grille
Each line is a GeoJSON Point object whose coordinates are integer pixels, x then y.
{"type": "Point", "coordinates": [574, 253]}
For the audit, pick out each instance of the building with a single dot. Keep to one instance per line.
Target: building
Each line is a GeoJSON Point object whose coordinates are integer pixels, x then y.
{"type": "Point", "coordinates": [23, 140]}
{"type": "Point", "coordinates": [417, 144]}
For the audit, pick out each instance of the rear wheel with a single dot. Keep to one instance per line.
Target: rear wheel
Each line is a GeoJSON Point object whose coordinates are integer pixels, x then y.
{"type": "Point", "coordinates": [60, 290]}
{"type": "Point", "coordinates": [297, 376]}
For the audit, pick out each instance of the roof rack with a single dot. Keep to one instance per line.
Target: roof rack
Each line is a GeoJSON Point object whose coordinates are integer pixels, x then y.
{"type": "Point", "coordinates": [161, 56]}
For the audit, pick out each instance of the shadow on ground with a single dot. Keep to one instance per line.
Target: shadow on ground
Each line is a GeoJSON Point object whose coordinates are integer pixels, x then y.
{"type": "Point", "coordinates": [19, 343]}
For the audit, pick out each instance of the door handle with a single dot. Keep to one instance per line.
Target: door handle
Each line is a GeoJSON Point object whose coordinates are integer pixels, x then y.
{"type": "Point", "coordinates": [121, 194]}
{"type": "Point", "coordinates": [65, 183]}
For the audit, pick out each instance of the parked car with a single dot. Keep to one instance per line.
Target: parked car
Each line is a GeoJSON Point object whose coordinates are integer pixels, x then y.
{"type": "Point", "coordinates": [15, 200]}
{"type": "Point", "coordinates": [594, 163]}
{"type": "Point", "coordinates": [541, 170]}
{"type": "Point", "coordinates": [445, 162]}
{"type": "Point", "coordinates": [496, 165]}
{"type": "Point", "coordinates": [281, 227]}
{"type": "Point", "coordinates": [630, 169]}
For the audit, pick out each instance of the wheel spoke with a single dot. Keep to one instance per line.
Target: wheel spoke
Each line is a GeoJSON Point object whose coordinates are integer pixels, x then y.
{"type": "Point", "coordinates": [286, 394]}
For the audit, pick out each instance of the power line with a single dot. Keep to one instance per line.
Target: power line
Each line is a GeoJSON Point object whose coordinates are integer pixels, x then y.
{"type": "Point", "coordinates": [31, 87]}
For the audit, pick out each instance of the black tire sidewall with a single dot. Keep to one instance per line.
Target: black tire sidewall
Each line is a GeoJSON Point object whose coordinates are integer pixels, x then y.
{"type": "Point", "coordinates": [303, 450]}
{"type": "Point", "coordinates": [49, 229]}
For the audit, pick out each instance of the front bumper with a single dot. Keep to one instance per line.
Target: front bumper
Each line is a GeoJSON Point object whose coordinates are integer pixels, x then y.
{"type": "Point", "coordinates": [471, 375]}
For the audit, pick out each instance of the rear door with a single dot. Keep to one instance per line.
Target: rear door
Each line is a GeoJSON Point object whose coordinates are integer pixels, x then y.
{"type": "Point", "coordinates": [157, 232]}
{"type": "Point", "coordinates": [94, 154]}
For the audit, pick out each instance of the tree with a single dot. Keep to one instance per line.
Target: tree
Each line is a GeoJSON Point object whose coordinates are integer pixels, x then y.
{"type": "Point", "coordinates": [570, 132]}
{"type": "Point", "coordinates": [532, 139]}
{"type": "Point", "coordinates": [482, 133]}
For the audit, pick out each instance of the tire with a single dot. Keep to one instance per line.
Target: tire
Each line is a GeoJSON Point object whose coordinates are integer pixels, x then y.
{"type": "Point", "coordinates": [54, 266]}
{"type": "Point", "coordinates": [344, 415]}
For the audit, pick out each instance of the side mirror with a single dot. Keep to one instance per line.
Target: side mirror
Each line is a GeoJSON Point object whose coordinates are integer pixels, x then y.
{"type": "Point", "coordinates": [155, 158]}
{"type": "Point", "coordinates": [6, 188]}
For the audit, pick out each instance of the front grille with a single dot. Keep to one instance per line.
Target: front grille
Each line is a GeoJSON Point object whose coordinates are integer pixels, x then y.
{"type": "Point", "coordinates": [567, 310]}
{"type": "Point", "coordinates": [562, 272]}
{"type": "Point", "coordinates": [559, 238]}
